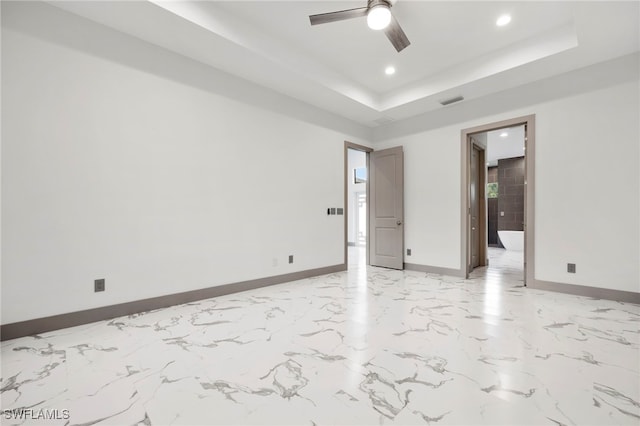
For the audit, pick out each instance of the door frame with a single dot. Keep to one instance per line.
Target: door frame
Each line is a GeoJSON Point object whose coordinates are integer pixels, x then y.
{"type": "Point", "coordinates": [529, 199]}
{"type": "Point", "coordinates": [347, 146]}
{"type": "Point", "coordinates": [482, 203]}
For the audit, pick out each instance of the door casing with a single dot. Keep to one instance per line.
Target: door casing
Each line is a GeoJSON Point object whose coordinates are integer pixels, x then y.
{"type": "Point", "coordinates": [529, 200]}
{"type": "Point", "coordinates": [481, 198]}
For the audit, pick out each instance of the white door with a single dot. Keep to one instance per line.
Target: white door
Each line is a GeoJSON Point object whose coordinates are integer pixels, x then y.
{"type": "Point", "coordinates": [387, 208]}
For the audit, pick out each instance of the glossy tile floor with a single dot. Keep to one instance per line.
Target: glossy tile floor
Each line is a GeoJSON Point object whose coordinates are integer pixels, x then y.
{"type": "Point", "coordinates": [369, 346]}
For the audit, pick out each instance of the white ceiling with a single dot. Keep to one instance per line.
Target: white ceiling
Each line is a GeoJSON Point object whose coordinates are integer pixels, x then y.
{"type": "Point", "coordinates": [504, 143]}
{"type": "Point", "coordinates": [456, 48]}
{"type": "Point", "coordinates": [360, 55]}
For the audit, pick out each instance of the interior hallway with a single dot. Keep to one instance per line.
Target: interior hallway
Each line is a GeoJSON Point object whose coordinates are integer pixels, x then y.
{"type": "Point", "coordinates": [367, 346]}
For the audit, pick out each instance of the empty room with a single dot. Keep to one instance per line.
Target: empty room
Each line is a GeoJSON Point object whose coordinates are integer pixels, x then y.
{"type": "Point", "coordinates": [367, 212]}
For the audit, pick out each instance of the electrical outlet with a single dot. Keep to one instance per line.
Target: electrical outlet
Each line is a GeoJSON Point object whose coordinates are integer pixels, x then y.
{"type": "Point", "coordinates": [290, 258]}
{"type": "Point", "coordinates": [98, 285]}
{"type": "Point", "coordinates": [333, 210]}
{"type": "Point", "coordinates": [408, 252]}
{"type": "Point", "coordinates": [571, 268]}
{"type": "Point", "coordinates": [340, 211]}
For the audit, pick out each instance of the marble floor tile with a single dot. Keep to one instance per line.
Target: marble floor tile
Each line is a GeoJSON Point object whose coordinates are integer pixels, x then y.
{"type": "Point", "coordinates": [365, 347]}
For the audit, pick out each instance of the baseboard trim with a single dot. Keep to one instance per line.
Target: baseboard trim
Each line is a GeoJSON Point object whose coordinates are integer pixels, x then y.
{"type": "Point", "coordinates": [72, 319]}
{"type": "Point", "coordinates": [434, 270]}
{"type": "Point", "coordinates": [580, 290]}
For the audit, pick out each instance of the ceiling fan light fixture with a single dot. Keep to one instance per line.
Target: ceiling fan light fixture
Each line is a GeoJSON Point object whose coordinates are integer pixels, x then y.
{"type": "Point", "coordinates": [379, 17]}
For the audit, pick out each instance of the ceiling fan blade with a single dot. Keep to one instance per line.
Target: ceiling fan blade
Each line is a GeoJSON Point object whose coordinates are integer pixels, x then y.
{"type": "Point", "coordinates": [396, 36]}
{"type": "Point", "coordinates": [324, 18]}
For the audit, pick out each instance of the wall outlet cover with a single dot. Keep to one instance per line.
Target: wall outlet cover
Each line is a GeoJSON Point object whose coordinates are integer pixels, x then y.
{"type": "Point", "coordinates": [290, 258]}
{"type": "Point", "coordinates": [408, 252]}
{"type": "Point", "coordinates": [98, 285]}
{"type": "Point", "coordinates": [571, 268]}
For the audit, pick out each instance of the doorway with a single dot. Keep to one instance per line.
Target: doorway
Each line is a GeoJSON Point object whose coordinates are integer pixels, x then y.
{"type": "Point", "coordinates": [498, 180]}
{"type": "Point", "coordinates": [379, 241]}
{"type": "Point", "coordinates": [356, 205]}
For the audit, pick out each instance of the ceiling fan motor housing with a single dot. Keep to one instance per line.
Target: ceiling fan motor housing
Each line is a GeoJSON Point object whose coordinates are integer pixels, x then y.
{"type": "Point", "coordinates": [373, 3]}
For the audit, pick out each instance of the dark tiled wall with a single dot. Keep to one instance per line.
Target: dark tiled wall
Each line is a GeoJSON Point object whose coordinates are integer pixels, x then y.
{"type": "Point", "coordinates": [492, 210]}
{"type": "Point", "coordinates": [511, 194]}
{"type": "Point", "coordinates": [492, 174]}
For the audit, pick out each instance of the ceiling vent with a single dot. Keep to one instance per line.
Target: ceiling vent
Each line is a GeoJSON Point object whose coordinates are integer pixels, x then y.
{"type": "Point", "coordinates": [383, 120]}
{"type": "Point", "coordinates": [451, 101]}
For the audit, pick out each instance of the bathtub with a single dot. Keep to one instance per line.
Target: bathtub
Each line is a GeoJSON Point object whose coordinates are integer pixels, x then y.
{"type": "Point", "coordinates": [512, 240]}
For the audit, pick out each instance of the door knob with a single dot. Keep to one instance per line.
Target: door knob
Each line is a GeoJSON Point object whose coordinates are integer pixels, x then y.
{"type": "Point", "coordinates": [399, 223]}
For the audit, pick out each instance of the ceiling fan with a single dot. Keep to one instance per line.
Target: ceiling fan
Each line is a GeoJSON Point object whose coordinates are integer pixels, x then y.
{"type": "Point", "coordinates": [379, 17]}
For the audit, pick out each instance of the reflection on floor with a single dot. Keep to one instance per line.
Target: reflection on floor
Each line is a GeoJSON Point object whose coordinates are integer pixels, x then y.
{"type": "Point", "coordinates": [503, 259]}
{"type": "Point", "coordinates": [363, 347]}
{"type": "Point", "coordinates": [503, 265]}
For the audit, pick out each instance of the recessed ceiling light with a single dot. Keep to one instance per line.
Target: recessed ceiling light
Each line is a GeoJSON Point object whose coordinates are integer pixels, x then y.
{"type": "Point", "coordinates": [390, 70]}
{"type": "Point", "coordinates": [503, 20]}
{"type": "Point", "coordinates": [504, 134]}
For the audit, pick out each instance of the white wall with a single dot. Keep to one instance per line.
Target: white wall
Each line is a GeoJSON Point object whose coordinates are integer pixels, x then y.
{"type": "Point", "coordinates": [356, 160]}
{"type": "Point", "coordinates": [159, 185]}
{"type": "Point", "coordinates": [431, 197]}
{"type": "Point", "coordinates": [587, 189]}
